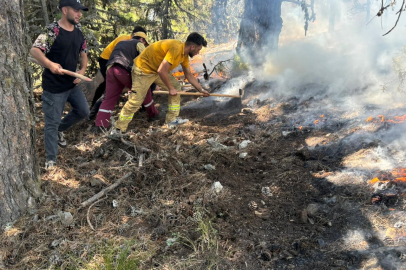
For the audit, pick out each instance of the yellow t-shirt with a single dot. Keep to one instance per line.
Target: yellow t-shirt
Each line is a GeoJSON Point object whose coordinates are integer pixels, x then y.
{"type": "Point", "coordinates": [109, 49]}
{"type": "Point", "coordinates": [169, 49]}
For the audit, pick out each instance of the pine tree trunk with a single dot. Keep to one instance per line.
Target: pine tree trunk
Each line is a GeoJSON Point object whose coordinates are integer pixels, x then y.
{"type": "Point", "coordinates": [45, 11]}
{"type": "Point", "coordinates": [260, 26]}
{"type": "Point", "coordinates": [219, 21]}
{"type": "Point", "coordinates": [165, 19]}
{"type": "Point", "coordinates": [19, 176]}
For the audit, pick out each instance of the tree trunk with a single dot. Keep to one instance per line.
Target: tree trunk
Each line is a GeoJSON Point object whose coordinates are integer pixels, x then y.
{"type": "Point", "coordinates": [19, 176]}
{"type": "Point", "coordinates": [165, 19]}
{"type": "Point", "coordinates": [45, 11]}
{"type": "Point", "coordinates": [260, 26]}
{"type": "Point", "coordinates": [334, 13]}
{"type": "Point", "coordinates": [219, 21]}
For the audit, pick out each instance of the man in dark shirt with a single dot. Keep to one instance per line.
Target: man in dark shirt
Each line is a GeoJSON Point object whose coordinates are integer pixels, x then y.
{"type": "Point", "coordinates": [62, 46]}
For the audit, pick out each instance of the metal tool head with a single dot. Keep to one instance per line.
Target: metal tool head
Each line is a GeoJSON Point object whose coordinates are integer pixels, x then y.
{"type": "Point", "coordinates": [206, 74]}
{"type": "Point", "coordinates": [241, 92]}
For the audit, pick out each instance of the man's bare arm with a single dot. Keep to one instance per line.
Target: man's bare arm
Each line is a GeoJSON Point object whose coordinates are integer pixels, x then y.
{"type": "Point", "coordinates": [189, 76]}
{"type": "Point", "coordinates": [45, 62]}
{"type": "Point", "coordinates": [163, 72]}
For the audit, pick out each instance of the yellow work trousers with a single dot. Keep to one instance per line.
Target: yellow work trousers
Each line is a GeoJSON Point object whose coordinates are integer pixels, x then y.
{"type": "Point", "coordinates": [140, 84]}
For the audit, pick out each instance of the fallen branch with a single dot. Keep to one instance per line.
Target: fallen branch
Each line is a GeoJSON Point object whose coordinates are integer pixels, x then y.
{"type": "Point", "coordinates": [104, 191]}
{"type": "Point", "coordinates": [140, 148]}
{"type": "Point", "coordinates": [88, 211]}
{"type": "Point", "coordinates": [214, 68]}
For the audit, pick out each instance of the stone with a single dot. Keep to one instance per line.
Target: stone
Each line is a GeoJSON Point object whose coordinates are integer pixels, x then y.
{"type": "Point", "coordinates": [209, 167]}
{"type": "Point", "coordinates": [244, 144]}
{"type": "Point", "coordinates": [312, 209]}
{"type": "Point", "coordinates": [66, 218]}
{"type": "Point", "coordinates": [243, 155]}
{"type": "Point", "coordinates": [266, 191]}
{"type": "Point", "coordinates": [216, 145]}
{"type": "Point", "coordinates": [217, 187]}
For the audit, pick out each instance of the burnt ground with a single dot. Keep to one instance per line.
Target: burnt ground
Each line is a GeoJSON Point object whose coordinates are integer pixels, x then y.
{"type": "Point", "coordinates": [287, 204]}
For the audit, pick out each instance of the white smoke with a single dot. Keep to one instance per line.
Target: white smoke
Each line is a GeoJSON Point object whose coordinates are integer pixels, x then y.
{"type": "Point", "coordinates": [351, 58]}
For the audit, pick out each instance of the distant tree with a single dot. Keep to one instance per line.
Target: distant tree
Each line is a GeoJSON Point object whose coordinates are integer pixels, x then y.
{"type": "Point", "coordinates": [225, 19]}
{"type": "Point", "coordinates": [262, 23]}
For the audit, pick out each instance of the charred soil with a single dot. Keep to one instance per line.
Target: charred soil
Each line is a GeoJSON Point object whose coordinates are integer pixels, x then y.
{"type": "Point", "coordinates": [273, 208]}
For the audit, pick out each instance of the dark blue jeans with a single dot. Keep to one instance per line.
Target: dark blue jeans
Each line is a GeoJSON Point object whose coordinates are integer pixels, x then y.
{"type": "Point", "coordinates": [53, 105]}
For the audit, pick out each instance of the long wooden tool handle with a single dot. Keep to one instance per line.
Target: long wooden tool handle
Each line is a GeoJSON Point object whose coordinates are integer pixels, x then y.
{"type": "Point", "coordinates": [195, 94]}
{"type": "Point", "coordinates": [77, 75]}
{"type": "Point", "coordinates": [67, 72]}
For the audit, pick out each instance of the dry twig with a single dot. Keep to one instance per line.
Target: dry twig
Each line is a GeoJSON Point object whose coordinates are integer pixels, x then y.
{"type": "Point", "coordinates": [104, 191]}
{"type": "Point", "coordinates": [88, 211]}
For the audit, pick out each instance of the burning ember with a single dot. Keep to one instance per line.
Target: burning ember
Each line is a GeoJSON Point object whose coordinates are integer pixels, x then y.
{"type": "Point", "coordinates": [397, 175]}
{"type": "Point", "coordinates": [318, 120]}
{"type": "Point", "coordinates": [396, 120]}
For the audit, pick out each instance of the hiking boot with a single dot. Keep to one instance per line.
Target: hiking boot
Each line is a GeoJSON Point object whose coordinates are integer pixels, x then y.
{"type": "Point", "coordinates": [177, 122]}
{"type": "Point", "coordinates": [61, 140]}
{"type": "Point", "coordinates": [50, 164]}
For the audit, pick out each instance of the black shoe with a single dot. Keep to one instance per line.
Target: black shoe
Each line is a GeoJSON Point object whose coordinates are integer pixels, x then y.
{"type": "Point", "coordinates": [61, 140]}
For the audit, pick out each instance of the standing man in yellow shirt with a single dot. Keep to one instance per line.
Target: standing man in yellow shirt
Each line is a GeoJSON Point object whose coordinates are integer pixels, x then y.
{"type": "Point", "coordinates": [153, 65]}
{"type": "Point", "coordinates": [103, 59]}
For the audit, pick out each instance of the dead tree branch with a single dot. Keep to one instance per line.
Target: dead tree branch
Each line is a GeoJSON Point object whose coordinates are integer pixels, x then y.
{"type": "Point", "coordinates": [104, 191]}
{"type": "Point", "coordinates": [219, 63]}
{"type": "Point", "coordinates": [399, 12]}
{"type": "Point", "coordinates": [88, 211]}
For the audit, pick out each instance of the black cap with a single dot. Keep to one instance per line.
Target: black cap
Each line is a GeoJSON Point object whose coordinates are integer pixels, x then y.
{"type": "Point", "coordinates": [72, 3]}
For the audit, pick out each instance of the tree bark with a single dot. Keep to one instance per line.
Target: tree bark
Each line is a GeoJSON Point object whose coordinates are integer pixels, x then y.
{"type": "Point", "coordinates": [165, 19]}
{"type": "Point", "coordinates": [19, 176]}
{"type": "Point", "coordinates": [219, 21]}
{"type": "Point", "coordinates": [45, 11]}
{"type": "Point", "coordinates": [260, 26]}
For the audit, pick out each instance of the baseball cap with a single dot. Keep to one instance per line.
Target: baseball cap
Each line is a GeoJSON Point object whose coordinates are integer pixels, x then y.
{"type": "Point", "coordinates": [72, 3]}
{"type": "Point", "coordinates": [141, 34]}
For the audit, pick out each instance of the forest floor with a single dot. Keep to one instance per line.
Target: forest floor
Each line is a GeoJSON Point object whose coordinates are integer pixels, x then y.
{"type": "Point", "coordinates": [285, 200]}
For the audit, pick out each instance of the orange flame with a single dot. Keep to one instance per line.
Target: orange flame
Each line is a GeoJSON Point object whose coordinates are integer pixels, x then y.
{"type": "Point", "coordinates": [316, 121]}
{"type": "Point", "coordinates": [179, 74]}
{"type": "Point", "coordinates": [396, 120]}
{"type": "Point", "coordinates": [399, 174]}
{"type": "Point", "coordinates": [376, 180]}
